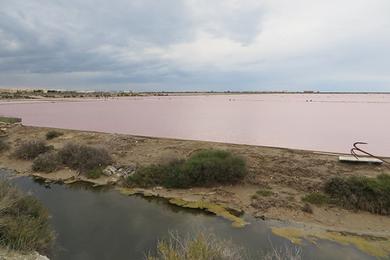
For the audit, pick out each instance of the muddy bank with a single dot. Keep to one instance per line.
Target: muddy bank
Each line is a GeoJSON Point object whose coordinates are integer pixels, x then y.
{"type": "Point", "coordinates": [289, 174]}
{"type": "Point", "coordinates": [13, 255]}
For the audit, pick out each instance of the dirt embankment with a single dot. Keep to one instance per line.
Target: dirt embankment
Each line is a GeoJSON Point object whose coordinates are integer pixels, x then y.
{"type": "Point", "coordinates": [289, 174]}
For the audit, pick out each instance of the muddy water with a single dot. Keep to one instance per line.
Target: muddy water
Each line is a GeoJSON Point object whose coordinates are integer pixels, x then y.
{"type": "Point", "coordinates": [103, 224]}
{"type": "Point", "coordinates": [321, 122]}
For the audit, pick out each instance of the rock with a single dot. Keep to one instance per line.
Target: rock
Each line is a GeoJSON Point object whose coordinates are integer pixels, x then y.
{"type": "Point", "coordinates": [125, 171]}
{"type": "Point", "coordinates": [260, 216]}
{"type": "Point", "coordinates": [119, 171]}
{"type": "Point", "coordinates": [15, 255]}
{"type": "Point", "coordinates": [109, 170]}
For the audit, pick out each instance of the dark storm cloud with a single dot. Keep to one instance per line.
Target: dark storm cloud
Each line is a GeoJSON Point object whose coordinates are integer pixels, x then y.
{"type": "Point", "coordinates": [195, 44]}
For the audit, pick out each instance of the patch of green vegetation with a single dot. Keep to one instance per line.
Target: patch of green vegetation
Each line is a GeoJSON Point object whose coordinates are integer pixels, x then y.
{"type": "Point", "coordinates": [46, 162]}
{"type": "Point", "coordinates": [307, 208]}
{"type": "Point", "coordinates": [316, 198]}
{"type": "Point", "coordinates": [24, 221]}
{"type": "Point", "coordinates": [31, 149]}
{"type": "Point", "coordinates": [364, 193]}
{"type": "Point", "coordinates": [53, 134]}
{"type": "Point", "coordinates": [203, 168]}
{"type": "Point", "coordinates": [4, 146]}
{"type": "Point", "coordinates": [264, 192]}
{"type": "Point", "coordinates": [375, 246]}
{"type": "Point", "coordinates": [84, 158]}
{"type": "Point", "coordinates": [94, 173]}
{"type": "Point", "coordinates": [10, 120]}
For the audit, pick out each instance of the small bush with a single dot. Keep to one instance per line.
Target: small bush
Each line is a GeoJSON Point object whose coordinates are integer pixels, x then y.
{"type": "Point", "coordinates": [10, 120]}
{"type": "Point", "coordinates": [46, 162]}
{"type": "Point", "coordinates": [210, 167]}
{"type": "Point", "coordinates": [316, 198]}
{"type": "Point", "coordinates": [3, 145]}
{"type": "Point", "coordinates": [53, 134]}
{"type": "Point", "coordinates": [264, 192]}
{"type": "Point", "coordinates": [24, 221]}
{"type": "Point", "coordinates": [370, 194]}
{"type": "Point", "coordinates": [84, 158]}
{"type": "Point", "coordinates": [31, 149]}
{"type": "Point", "coordinates": [167, 175]}
{"type": "Point", "coordinates": [307, 208]}
{"type": "Point", "coordinates": [95, 173]}
{"type": "Point", "coordinates": [202, 246]}
{"type": "Point", "coordinates": [204, 168]}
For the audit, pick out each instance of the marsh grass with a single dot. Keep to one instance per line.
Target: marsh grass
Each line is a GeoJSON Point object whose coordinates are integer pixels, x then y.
{"type": "Point", "coordinates": [24, 222]}
{"type": "Point", "coordinates": [203, 246]}
{"type": "Point", "coordinates": [203, 168]}
{"type": "Point", "coordinates": [198, 247]}
{"type": "Point", "coordinates": [364, 193]}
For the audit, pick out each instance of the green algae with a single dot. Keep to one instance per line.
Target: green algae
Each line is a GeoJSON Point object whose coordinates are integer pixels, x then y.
{"type": "Point", "coordinates": [375, 246]}
{"type": "Point", "coordinates": [214, 208]}
{"type": "Point", "coordinates": [217, 209]}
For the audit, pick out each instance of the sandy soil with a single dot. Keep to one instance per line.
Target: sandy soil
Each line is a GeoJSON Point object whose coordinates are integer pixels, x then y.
{"type": "Point", "coordinates": [289, 173]}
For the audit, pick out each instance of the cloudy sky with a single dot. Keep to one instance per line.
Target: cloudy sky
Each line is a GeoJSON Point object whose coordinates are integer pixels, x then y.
{"type": "Point", "coordinates": [144, 45]}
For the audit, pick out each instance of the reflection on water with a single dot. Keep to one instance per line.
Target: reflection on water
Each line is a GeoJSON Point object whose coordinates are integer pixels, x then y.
{"type": "Point", "coordinates": [103, 224]}
{"type": "Point", "coordinates": [323, 122]}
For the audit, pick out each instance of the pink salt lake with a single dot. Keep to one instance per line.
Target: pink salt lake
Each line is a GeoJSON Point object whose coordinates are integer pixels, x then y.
{"type": "Point", "coordinates": [320, 122]}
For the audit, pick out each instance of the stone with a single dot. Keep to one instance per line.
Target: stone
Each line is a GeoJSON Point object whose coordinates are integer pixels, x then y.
{"type": "Point", "coordinates": [109, 170]}
{"type": "Point", "coordinates": [125, 171]}
{"type": "Point", "coordinates": [260, 216]}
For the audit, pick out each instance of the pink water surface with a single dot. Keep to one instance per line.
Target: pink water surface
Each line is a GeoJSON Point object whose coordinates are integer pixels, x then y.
{"type": "Point", "coordinates": [321, 122]}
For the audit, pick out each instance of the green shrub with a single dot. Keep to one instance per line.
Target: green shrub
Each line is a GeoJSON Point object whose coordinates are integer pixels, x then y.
{"type": "Point", "coordinates": [84, 158]}
{"type": "Point", "coordinates": [307, 208]}
{"type": "Point", "coordinates": [316, 198]}
{"type": "Point", "coordinates": [264, 192]}
{"type": "Point", "coordinates": [3, 145]}
{"type": "Point", "coordinates": [204, 168]}
{"type": "Point", "coordinates": [31, 149]}
{"type": "Point", "coordinates": [94, 173]}
{"type": "Point", "coordinates": [370, 194]}
{"type": "Point", "coordinates": [46, 162]}
{"type": "Point", "coordinates": [24, 221]}
{"type": "Point", "coordinates": [168, 175]}
{"type": "Point", "coordinates": [10, 120]}
{"type": "Point", "coordinates": [214, 167]}
{"type": "Point", "coordinates": [53, 134]}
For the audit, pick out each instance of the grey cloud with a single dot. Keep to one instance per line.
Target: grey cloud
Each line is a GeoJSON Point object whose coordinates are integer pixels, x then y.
{"type": "Point", "coordinates": [110, 45]}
